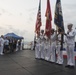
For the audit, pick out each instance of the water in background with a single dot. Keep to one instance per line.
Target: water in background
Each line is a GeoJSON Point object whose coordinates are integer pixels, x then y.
{"type": "Point", "coordinates": [27, 45]}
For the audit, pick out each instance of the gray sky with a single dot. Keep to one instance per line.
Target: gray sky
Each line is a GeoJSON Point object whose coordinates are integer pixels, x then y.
{"type": "Point", "coordinates": [19, 16]}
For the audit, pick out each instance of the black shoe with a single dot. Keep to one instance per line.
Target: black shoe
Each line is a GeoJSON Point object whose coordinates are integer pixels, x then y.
{"type": "Point", "coordinates": [37, 58]}
{"type": "Point", "coordinates": [52, 62]}
{"type": "Point", "coordinates": [42, 59]}
{"type": "Point", "coordinates": [71, 66]}
{"type": "Point", "coordinates": [59, 64]}
{"type": "Point", "coordinates": [67, 66]}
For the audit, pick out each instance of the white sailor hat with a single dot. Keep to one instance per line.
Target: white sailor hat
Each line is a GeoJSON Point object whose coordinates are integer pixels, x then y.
{"type": "Point", "coordinates": [70, 24]}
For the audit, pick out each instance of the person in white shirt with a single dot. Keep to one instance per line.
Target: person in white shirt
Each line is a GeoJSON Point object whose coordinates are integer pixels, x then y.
{"type": "Point", "coordinates": [70, 41]}
{"type": "Point", "coordinates": [17, 47]}
{"type": "Point", "coordinates": [53, 38]}
{"type": "Point", "coordinates": [1, 44]}
{"type": "Point", "coordinates": [6, 45]}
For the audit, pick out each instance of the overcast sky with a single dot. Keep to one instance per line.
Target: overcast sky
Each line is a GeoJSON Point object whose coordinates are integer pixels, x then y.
{"type": "Point", "coordinates": [19, 16]}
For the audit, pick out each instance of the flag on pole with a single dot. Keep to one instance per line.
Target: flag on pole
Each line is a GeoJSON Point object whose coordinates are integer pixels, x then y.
{"type": "Point", "coordinates": [38, 21]}
{"type": "Point", "coordinates": [58, 19]}
{"type": "Point", "coordinates": [48, 19]}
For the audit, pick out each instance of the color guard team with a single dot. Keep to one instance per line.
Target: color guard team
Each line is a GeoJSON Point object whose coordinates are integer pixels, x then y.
{"type": "Point", "coordinates": [49, 49]}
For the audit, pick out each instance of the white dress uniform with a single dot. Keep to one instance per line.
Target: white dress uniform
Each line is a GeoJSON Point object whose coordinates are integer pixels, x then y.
{"type": "Point", "coordinates": [47, 50]}
{"type": "Point", "coordinates": [37, 49]}
{"type": "Point", "coordinates": [42, 46]}
{"type": "Point", "coordinates": [53, 47]}
{"type": "Point", "coordinates": [1, 45]}
{"type": "Point", "coordinates": [59, 52]}
{"type": "Point", "coordinates": [70, 41]}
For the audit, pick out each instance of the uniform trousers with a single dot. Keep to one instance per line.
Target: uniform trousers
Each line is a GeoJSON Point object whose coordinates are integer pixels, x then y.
{"type": "Point", "coordinates": [37, 51]}
{"type": "Point", "coordinates": [1, 49]}
{"type": "Point", "coordinates": [48, 53]}
{"type": "Point", "coordinates": [53, 52]}
{"type": "Point", "coordinates": [59, 55]}
{"type": "Point", "coordinates": [42, 51]}
{"type": "Point", "coordinates": [70, 55]}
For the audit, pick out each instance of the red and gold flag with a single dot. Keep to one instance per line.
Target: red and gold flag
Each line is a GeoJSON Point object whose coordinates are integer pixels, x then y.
{"type": "Point", "coordinates": [48, 19]}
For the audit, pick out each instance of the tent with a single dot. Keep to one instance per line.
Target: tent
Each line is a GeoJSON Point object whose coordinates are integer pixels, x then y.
{"type": "Point", "coordinates": [13, 35]}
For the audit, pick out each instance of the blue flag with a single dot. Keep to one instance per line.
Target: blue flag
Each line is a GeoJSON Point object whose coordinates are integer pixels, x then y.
{"type": "Point", "coordinates": [58, 19]}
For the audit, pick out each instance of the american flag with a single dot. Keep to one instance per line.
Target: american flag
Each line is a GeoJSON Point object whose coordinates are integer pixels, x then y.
{"type": "Point", "coordinates": [38, 21]}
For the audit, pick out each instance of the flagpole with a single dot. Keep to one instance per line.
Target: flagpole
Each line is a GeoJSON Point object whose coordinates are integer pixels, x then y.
{"type": "Point", "coordinates": [34, 41]}
{"type": "Point", "coordinates": [58, 20]}
{"type": "Point", "coordinates": [38, 20]}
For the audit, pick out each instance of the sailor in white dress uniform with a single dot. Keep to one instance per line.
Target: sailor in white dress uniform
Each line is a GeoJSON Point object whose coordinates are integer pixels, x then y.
{"type": "Point", "coordinates": [37, 48]}
{"type": "Point", "coordinates": [70, 41]}
{"type": "Point", "coordinates": [42, 44]}
{"type": "Point", "coordinates": [1, 44]}
{"type": "Point", "coordinates": [53, 38]}
{"type": "Point", "coordinates": [59, 51]}
{"type": "Point", "coordinates": [47, 49]}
